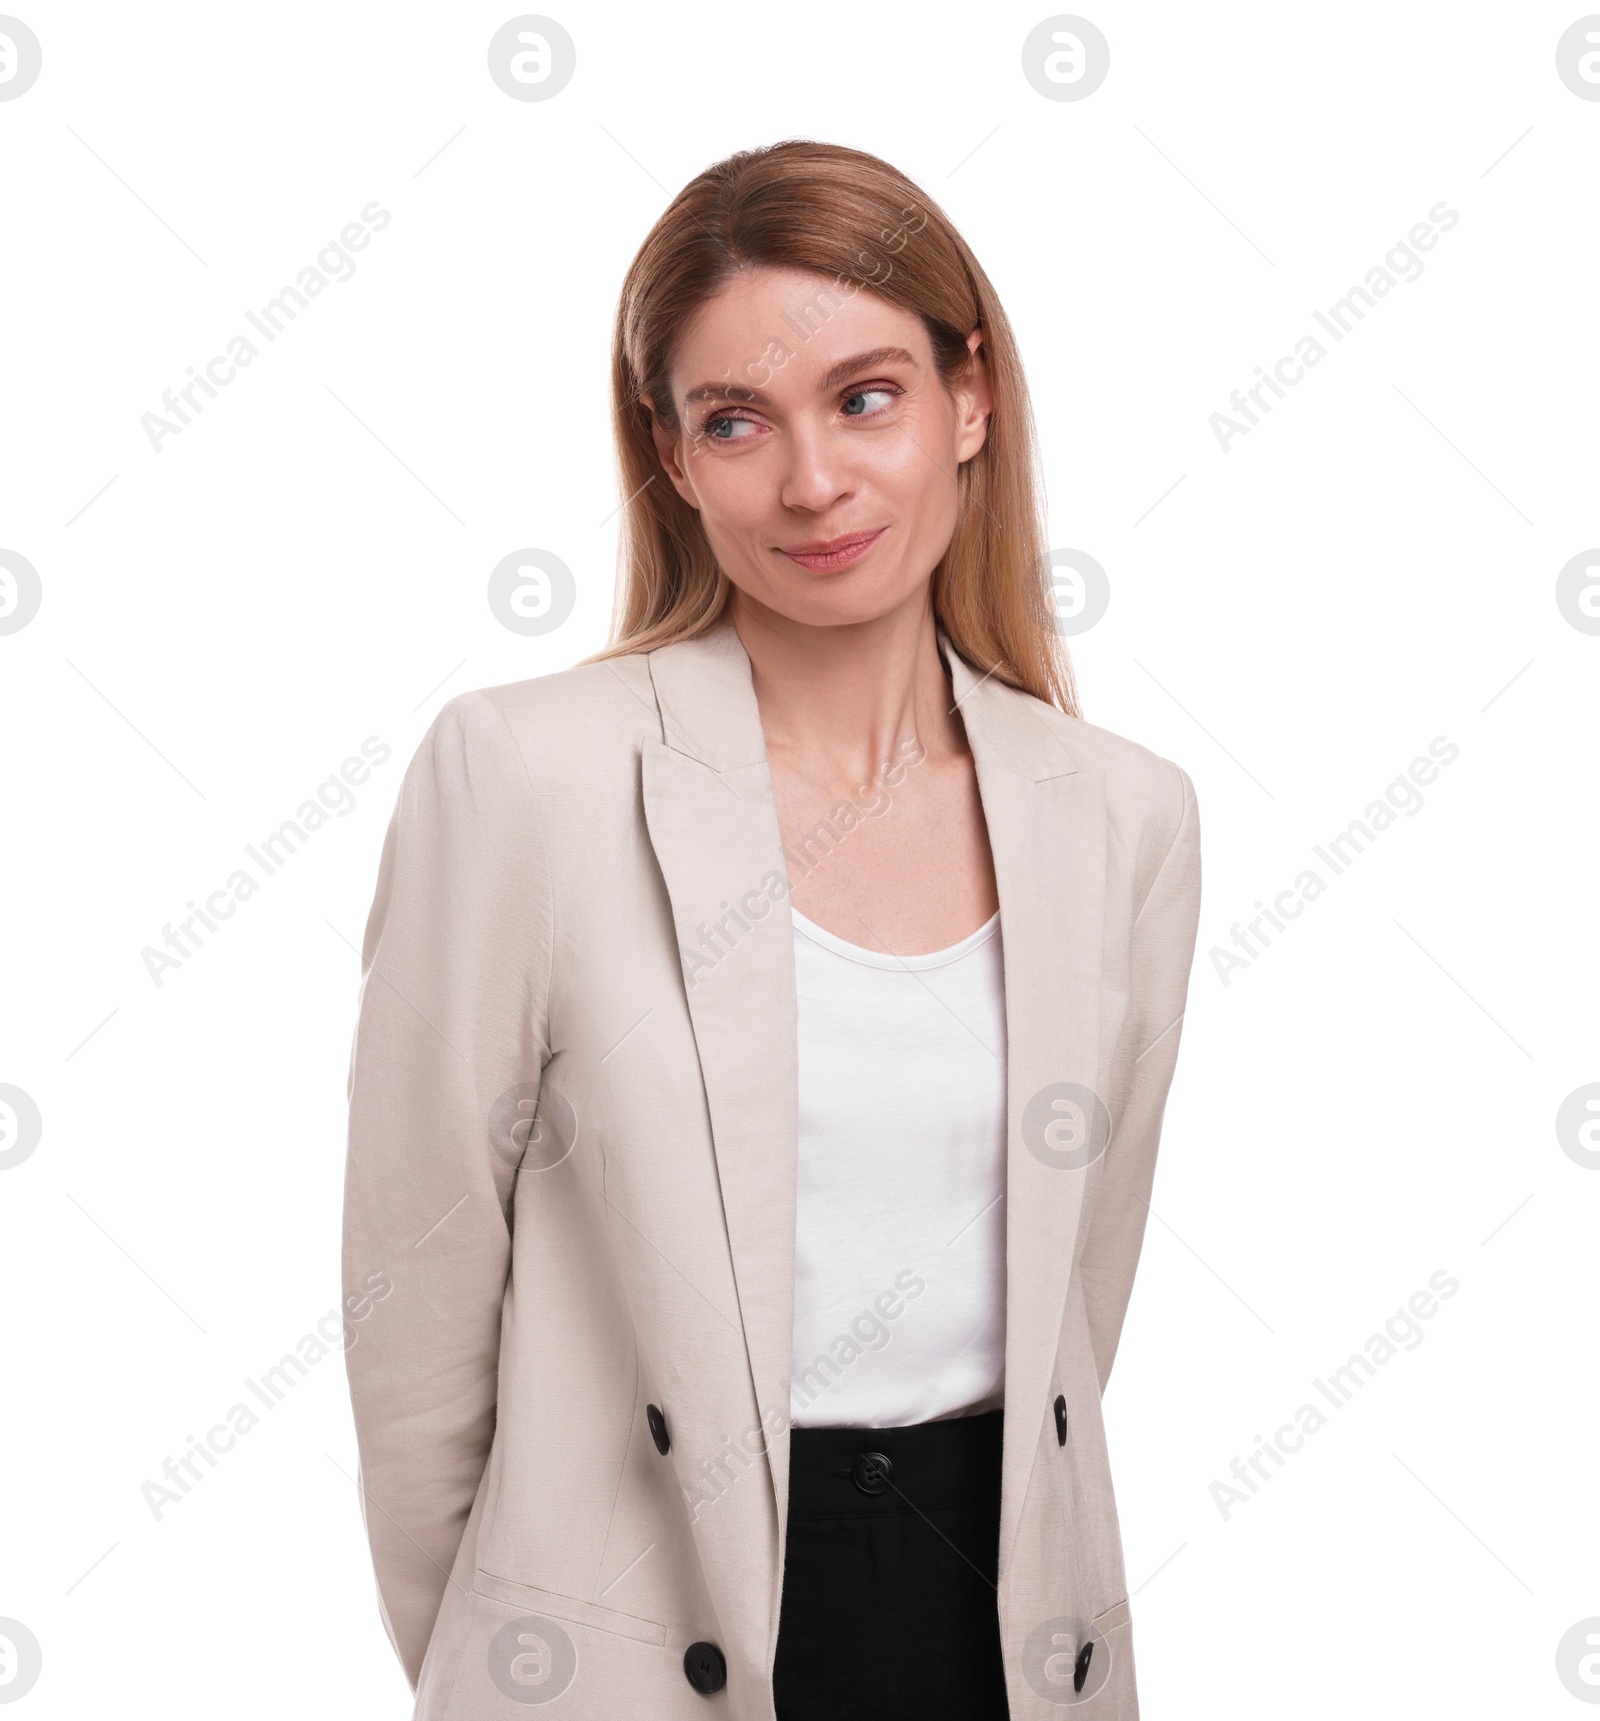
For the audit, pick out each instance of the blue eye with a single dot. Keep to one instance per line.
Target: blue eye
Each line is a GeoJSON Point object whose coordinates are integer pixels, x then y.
{"type": "Point", "coordinates": [861, 394]}
{"type": "Point", "coordinates": [714, 427]}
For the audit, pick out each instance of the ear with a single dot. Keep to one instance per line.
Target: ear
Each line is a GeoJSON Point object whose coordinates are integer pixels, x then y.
{"type": "Point", "coordinates": [974, 401]}
{"type": "Point", "coordinates": [667, 447]}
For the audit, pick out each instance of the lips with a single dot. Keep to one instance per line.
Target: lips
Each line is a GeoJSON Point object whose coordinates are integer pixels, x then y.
{"type": "Point", "coordinates": [827, 555]}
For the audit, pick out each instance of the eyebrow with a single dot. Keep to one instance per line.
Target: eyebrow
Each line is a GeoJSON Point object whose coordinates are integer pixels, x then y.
{"type": "Point", "coordinates": [840, 373]}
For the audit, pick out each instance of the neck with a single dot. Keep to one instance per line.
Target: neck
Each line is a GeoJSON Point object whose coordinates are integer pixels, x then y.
{"type": "Point", "coordinates": [836, 702]}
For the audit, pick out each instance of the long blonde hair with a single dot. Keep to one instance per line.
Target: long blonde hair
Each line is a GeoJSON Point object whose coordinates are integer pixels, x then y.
{"type": "Point", "coordinates": [843, 214]}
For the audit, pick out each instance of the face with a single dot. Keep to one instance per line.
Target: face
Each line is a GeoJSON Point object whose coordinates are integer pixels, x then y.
{"type": "Point", "coordinates": [820, 445]}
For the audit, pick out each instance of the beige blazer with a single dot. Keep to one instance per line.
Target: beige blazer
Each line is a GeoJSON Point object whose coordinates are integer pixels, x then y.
{"type": "Point", "coordinates": [581, 901]}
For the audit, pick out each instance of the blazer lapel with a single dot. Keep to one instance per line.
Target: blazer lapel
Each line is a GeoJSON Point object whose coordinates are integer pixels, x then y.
{"type": "Point", "coordinates": [710, 813]}
{"type": "Point", "coordinates": [712, 822]}
{"type": "Point", "coordinates": [1046, 819]}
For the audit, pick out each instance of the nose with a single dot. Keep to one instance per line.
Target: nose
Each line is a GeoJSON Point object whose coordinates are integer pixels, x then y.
{"type": "Point", "coordinates": [815, 477]}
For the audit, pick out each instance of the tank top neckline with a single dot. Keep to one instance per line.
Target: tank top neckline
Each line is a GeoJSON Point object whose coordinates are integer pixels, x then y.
{"type": "Point", "coordinates": [885, 959]}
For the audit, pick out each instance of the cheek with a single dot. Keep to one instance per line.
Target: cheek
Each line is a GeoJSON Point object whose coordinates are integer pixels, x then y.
{"type": "Point", "coordinates": [918, 465]}
{"type": "Point", "coordinates": [732, 491]}
{"type": "Point", "coordinates": [913, 466]}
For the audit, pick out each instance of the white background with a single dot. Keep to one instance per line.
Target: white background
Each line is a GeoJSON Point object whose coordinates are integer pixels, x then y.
{"type": "Point", "coordinates": [223, 622]}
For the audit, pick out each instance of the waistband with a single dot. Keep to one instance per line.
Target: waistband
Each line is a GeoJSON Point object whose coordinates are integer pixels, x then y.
{"type": "Point", "coordinates": [951, 1463]}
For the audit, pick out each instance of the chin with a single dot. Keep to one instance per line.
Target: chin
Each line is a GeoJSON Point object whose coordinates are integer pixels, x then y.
{"type": "Point", "coordinates": [849, 597]}
{"type": "Point", "coordinates": [833, 600]}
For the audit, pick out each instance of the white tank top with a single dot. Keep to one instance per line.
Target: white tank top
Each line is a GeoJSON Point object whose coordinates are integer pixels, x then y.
{"type": "Point", "coordinates": [900, 1224]}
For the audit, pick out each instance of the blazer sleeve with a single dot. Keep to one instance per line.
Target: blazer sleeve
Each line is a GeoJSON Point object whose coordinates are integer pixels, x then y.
{"type": "Point", "coordinates": [452, 1014]}
{"type": "Point", "coordinates": [1160, 957]}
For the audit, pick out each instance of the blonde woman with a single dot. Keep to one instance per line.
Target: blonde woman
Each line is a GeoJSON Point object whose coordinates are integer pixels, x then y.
{"type": "Point", "coordinates": [760, 1226]}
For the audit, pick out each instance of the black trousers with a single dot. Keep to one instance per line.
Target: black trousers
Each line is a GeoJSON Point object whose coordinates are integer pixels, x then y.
{"type": "Point", "coordinates": [889, 1605]}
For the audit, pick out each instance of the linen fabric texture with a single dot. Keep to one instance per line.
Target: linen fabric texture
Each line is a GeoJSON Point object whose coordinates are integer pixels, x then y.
{"type": "Point", "coordinates": [572, 1149]}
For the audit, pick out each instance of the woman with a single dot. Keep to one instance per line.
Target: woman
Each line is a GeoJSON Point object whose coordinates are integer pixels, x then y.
{"type": "Point", "coordinates": [760, 1242]}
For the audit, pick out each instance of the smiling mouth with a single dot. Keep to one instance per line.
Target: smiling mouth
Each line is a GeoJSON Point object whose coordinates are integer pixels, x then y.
{"type": "Point", "coordinates": [827, 555]}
